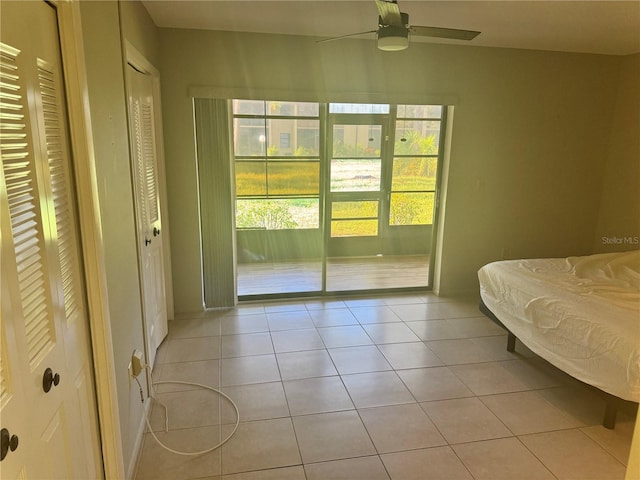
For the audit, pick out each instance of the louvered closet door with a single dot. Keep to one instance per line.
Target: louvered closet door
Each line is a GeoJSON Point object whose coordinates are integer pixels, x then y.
{"type": "Point", "coordinates": [44, 322]}
{"type": "Point", "coordinates": [148, 216]}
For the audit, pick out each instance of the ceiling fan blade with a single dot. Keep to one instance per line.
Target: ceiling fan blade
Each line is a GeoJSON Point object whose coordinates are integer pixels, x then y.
{"type": "Point", "coordinates": [389, 13]}
{"type": "Point", "coordinates": [344, 36]}
{"type": "Point", "coordinates": [439, 32]}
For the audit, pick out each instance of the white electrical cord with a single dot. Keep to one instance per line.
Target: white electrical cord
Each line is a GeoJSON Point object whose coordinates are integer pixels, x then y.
{"type": "Point", "coordinates": [166, 416]}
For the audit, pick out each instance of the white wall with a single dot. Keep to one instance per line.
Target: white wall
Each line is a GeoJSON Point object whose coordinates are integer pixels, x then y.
{"type": "Point", "coordinates": [103, 51]}
{"type": "Point", "coordinates": [530, 137]}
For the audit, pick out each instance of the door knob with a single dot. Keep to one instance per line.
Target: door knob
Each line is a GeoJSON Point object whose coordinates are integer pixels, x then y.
{"type": "Point", "coordinates": [156, 231]}
{"type": "Point", "coordinates": [147, 242]}
{"type": "Point", "coordinates": [8, 442]}
{"type": "Point", "coordinates": [49, 379]}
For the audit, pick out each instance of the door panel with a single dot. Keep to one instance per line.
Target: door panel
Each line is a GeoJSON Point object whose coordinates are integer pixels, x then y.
{"type": "Point", "coordinates": [55, 446]}
{"type": "Point", "coordinates": [14, 412]}
{"type": "Point", "coordinates": [381, 194]}
{"type": "Point", "coordinates": [43, 308]}
{"type": "Point", "coordinates": [84, 419]}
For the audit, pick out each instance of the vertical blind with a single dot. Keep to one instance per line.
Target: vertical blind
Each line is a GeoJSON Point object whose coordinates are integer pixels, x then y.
{"type": "Point", "coordinates": [217, 223]}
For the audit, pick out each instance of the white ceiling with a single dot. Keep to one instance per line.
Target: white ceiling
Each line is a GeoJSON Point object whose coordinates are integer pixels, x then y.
{"type": "Point", "coordinates": [606, 27]}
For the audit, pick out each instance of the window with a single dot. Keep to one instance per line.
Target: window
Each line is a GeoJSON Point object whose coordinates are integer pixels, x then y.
{"type": "Point", "coordinates": [358, 108]}
{"type": "Point", "coordinates": [285, 140]}
{"type": "Point", "coordinates": [277, 164]}
{"type": "Point", "coordinates": [354, 218]}
{"type": "Point", "coordinates": [356, 162]}
{"type": "Point", "coordinates": [415, 164]}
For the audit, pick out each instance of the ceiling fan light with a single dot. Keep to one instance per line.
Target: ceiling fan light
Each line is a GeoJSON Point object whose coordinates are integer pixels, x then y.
{"type": "Point", "coordinates": [392, 39]}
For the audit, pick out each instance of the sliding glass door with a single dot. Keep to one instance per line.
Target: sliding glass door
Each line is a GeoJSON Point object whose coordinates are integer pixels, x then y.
{"type": "Point", "coordinates": [381, 195]}
{"type": "Point", "coordinates": [413, 179]}
{"type": "Point", "coordinates": [334, 197]}
{"type": "Point", "coordinates": [278, 190]}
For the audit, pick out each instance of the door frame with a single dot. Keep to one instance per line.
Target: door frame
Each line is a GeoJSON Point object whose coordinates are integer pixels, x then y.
{"type": "Point", "coordinates": [91, 245]}
{"type": "Point", "coordinates": [394, 237]}
{"type": "Point", "coordinates": [134, 57]}
{"type": "Point", "coordinates": [139, 65]}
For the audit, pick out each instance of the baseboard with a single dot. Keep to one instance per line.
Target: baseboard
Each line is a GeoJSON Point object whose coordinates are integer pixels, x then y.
{"type": "Point", "coordinates": [457, 293]}
{"type": "Point", "coordinates": [132, 468]}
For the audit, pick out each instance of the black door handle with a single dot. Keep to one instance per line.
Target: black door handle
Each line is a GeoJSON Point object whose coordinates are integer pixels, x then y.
{"type": "Point", "coordinates": [156, 231]}
{"type": "Point", "coordinates": [7, 442]}
{"type": "Point", "coordinates": [146, 242]}
{"type": "Point", "coordinates": [49, 379]}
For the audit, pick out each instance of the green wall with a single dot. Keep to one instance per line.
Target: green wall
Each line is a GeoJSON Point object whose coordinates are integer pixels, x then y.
{"type": "Point", "coordinates": [619, 215]}
{"type": "Point", "coordinates": [530, 139]}
{"type": "Point", "coordinates": [107, 99]}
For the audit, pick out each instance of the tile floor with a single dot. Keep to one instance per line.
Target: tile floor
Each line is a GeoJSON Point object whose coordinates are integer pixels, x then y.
{"type": "Point", "coordinates": [387, 387]}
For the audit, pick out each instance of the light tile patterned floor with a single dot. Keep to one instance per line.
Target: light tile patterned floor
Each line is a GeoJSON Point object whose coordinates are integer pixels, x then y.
{"type": "Point", "coordinates": [389, 387]}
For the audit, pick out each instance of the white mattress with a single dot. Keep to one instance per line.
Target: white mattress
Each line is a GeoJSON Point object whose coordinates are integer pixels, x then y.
{"type": "Point", "coordinates": [582, 314]}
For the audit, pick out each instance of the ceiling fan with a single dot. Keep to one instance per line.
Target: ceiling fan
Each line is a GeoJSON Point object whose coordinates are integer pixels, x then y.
{"type": "Point", "coordinates": [394, 29]}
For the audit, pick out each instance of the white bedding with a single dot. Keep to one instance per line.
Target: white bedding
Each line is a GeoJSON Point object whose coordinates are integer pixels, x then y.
{"type": "Point", "coordinates": [582, 314]}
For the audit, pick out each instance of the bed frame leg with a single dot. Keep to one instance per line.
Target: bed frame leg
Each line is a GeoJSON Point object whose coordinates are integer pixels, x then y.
{"type": "Point", "coordinates": [511, 342]}
{"type": "Point", "coordinates": [610, 413]}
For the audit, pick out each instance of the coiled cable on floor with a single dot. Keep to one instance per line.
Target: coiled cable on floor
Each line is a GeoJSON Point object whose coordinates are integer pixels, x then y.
{"type": "Point", "coordinates": [153, 396]}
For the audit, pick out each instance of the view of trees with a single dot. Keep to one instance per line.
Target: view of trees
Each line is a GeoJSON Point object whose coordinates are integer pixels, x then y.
{"type": "Point", "coordinates": [266, 215]}
{"type": "Point", "coordinates": [413, 142]}
{"type": "Point", "coordinates": [278, 214]}
{"type": "Point", "coordinates": [411, 209]}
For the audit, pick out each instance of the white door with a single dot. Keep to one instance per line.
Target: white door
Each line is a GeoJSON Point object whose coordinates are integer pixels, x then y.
{"type": "Point", "coordinates": [148, 218]}
{"type": "Point", "coordinates": [47, 400]}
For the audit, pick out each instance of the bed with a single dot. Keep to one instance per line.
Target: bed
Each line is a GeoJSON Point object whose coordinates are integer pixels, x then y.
{"type": "Point", "coordinates": [581, 314]}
